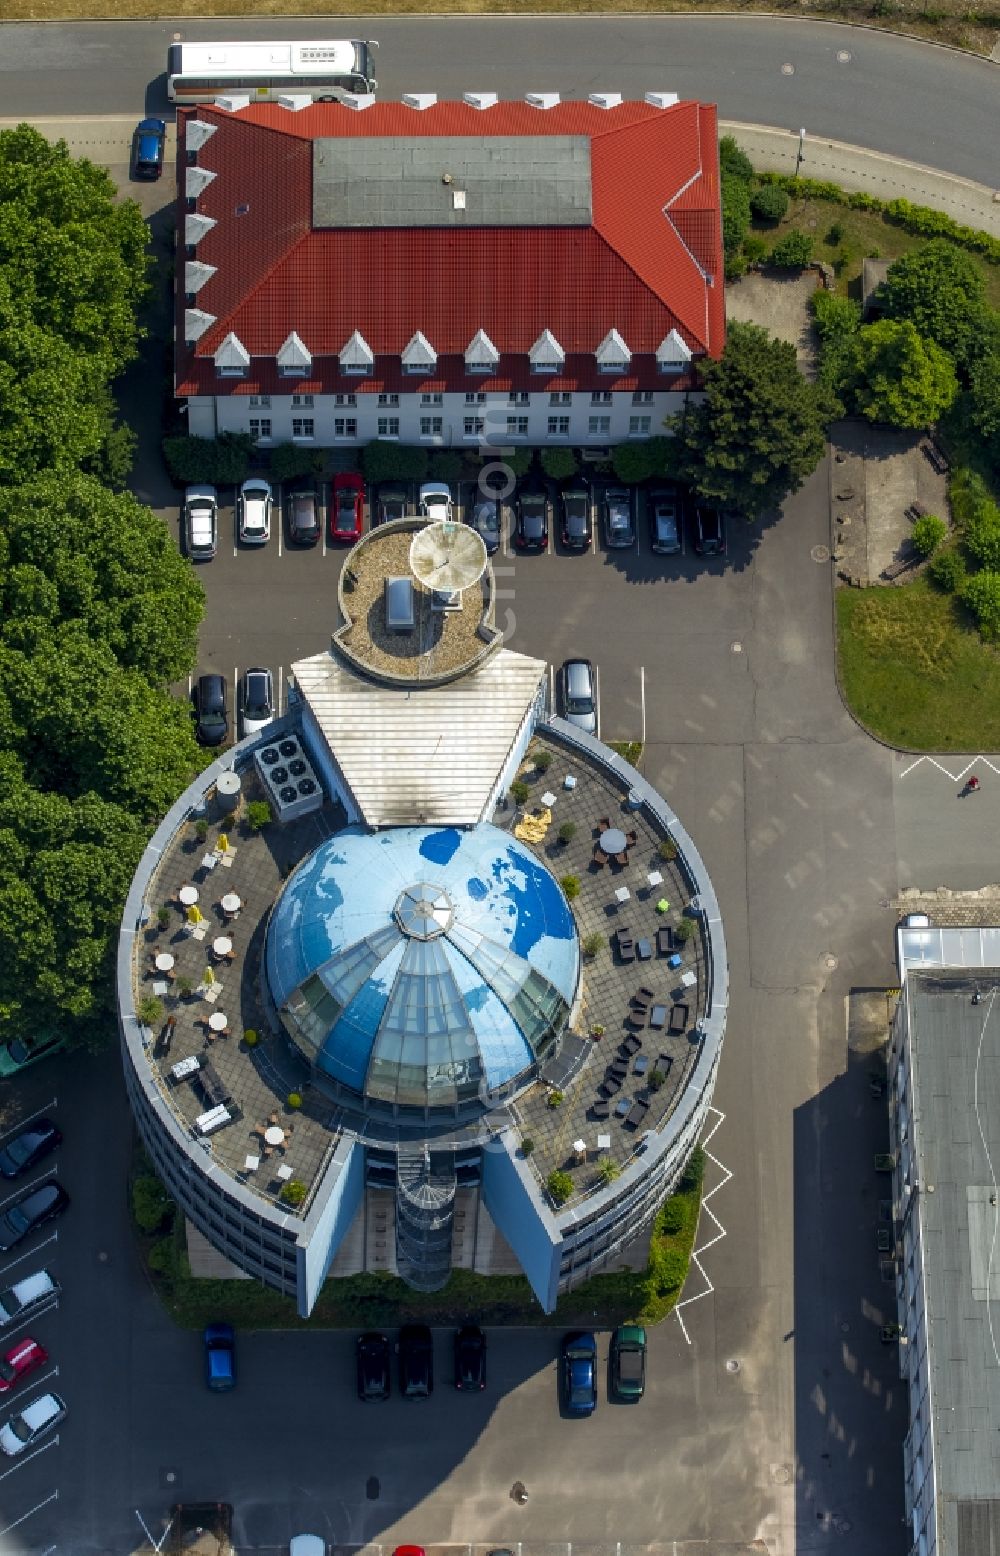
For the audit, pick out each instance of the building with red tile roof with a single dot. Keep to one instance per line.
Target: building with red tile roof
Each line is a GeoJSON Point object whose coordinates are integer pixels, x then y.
{"type": "Point", "coordinates": [452, 272]}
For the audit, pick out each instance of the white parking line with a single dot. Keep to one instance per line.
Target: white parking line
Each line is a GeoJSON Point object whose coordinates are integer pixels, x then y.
{"type": "Point", "coordinates": [696, 1253]}
{"type": "Point", "coordinates": [642, 697]}
{"type": "Point", "coordinates": [597, 698]}
{"type": "Point", "coordinates": [53, 1237]}
{"type": "Point", "coordinates": [977, 761]}
{"type": "Point", "coordinates": [36, 1509]}
{"type": "Point", "coordinates": [19, 1463]}
{"type": "Point", "coordinates": [26, 1121]}
{"type": "Point", "coordinates": [552, 688]}
{"type": "Point", "coordinates": [26, 1188]}
{"type": "Point", "coordinates": [10, 1330]}
{"type": "Point", "coordinates": [277, 704]}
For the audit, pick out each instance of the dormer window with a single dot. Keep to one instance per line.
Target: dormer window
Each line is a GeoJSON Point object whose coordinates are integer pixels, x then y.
{"type": "Point", "coordinates": [357, 359]}
{"type": "Point", "coordinates": [481, 356]}
{"type": "Point", "coordinates": [613, 356]}
{"type": "Point", "coordinates": [419, 358]}
{"type": "Point", "coordinates": [546, 356]}
{"type": "Point", "coordinates": [673, 355]}
{"type": "Point", "coordinates": [293, 359]}
{"type": "Point", "coordinates": [232, 359]}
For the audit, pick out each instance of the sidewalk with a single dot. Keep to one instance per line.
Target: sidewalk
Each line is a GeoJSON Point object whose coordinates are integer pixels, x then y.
{"type": "Point", "coordinates": [775, 151]}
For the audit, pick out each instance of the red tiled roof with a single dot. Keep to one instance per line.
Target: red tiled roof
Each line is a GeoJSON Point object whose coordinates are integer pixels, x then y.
{"type": "Point", "coordinates": [650, 261]}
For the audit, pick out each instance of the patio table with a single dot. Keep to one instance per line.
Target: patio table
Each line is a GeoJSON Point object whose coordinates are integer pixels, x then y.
{"type": "Point", "coordinates": [613, 841]}
{"type": "Point", "coordinates": [164, 962]}
{"type": "Point", "coordinates": [188, 896]}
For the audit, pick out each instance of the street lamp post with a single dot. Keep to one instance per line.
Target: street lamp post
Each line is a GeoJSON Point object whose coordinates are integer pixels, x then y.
{"type": "Point", "coordinates": [799, 153]}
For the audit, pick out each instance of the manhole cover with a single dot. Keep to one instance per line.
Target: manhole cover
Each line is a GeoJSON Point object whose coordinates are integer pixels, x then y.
{"type": "Point", "coordinates": [169, 1478]}
{"type": "Point", "coordinates": [736, 648]}
{"type": "Point", "coordinates": [830, 962]}
{"type": "Point", "coordinates": [781, 1474]}
{"type": "Point", "coordinates": [843, 56]}
{"type": "Point", "coordinates": [732, 1365]}
{"type": "Point", "coordinates": [820, 553]}
{"type": "Point", "coordinates": [788, 70]}
{"type": "Point", "coordinates": [373, 1488]}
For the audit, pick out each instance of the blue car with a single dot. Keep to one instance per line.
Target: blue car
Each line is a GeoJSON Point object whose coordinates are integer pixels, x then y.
{"type": "Point", "coordinates": [578, 1374]}
{"type": "Point", "coordinates": [220, 1357]}
{"type": "Point", "coordinates": [150, 140]}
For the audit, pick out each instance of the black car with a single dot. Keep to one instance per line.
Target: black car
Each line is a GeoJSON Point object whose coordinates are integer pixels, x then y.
{"type": "Point", "coordinates": [485, 520]}
{"type": "Point", "coordinates": [531, 529]}
{"type": "Point", "coordinates": [212, 719]}
{"type": "Point", "coordinates": [372, 1352]}
{"type": "Point", "coordinates": [709, 532]}
{"type": "Point", "coordinates": [391, 503]}
{"type": "Point", "coordinates": [416, 1362]}
{"type": "Point", "coordinates": [575, 528]}
{"type": "Point", "coordinates": [30, 1211]}
{"type": "Point", "coordinates": [150, 140]}
{"type": "Point", "coordinates": [28, 1146]}
{"type": "Point", "coordinates": [304, 523]}
{"type": "Point", "coordinates": [470, 1358]}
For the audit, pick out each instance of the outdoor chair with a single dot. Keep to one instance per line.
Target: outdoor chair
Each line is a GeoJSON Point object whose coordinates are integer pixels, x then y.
{"type": "Point", "coordinates": [604, 824]}
{"type": "Point", "coordinates": [599, 1109]}
{"type": "Point", "coordinates": [643, 996]}
{"type": "Point", "coordinates": [609, 1086]}
{"type": "Point", "coordinates": [632, 838]}
{"type": "Point", "coordinates": [600, 858]}
{"type": "Point", "coordinates": [664, 940]}
{"type": "Point", "coordinates": [621, 859]}
{"type": "Point", "coordinates": [678, 1018]}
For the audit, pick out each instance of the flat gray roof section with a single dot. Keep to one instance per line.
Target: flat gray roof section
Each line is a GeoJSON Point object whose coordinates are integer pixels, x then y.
{"type": "Point", "coordinates": [397, 181]}
{"type": "Point", "coordinates": [955, 1079]}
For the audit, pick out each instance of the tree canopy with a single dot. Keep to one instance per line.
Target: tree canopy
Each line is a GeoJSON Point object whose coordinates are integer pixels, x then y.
{"type": "Point", "coordinates": [900, 378]}
{"type": "Point", "coordinates": [938, 289]}
{"type": "Point", "coordinates": [761, 429]}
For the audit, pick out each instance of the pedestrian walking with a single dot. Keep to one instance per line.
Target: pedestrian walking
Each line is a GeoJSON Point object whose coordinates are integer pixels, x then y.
{"type": "Point", "coordinates": [973, 785]}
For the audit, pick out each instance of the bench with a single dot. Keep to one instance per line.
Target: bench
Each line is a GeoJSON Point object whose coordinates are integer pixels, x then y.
{"type": "Point", "coordinates": [938, 460]}
{"type": "Point", "coordinates": [679, 1013]}
{"type": "Point", "coordinates": [909, 559]}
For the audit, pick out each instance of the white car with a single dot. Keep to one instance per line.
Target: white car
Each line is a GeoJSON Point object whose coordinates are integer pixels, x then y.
{"type": "Point", "coordinates": [254, 507]}
{"type": "Point", "coordinates": [32, 1422]}
{"type": "Point", "coordinates": [26, 1295]}
{"type": "Point", "coordinates": [436, 501]}
{"type": "Point", "coordinates": [256, 700]}
{"type": "Point", "coordinates": [307, 1545]}
{"type": "Point", "coordinates": [201, 508]}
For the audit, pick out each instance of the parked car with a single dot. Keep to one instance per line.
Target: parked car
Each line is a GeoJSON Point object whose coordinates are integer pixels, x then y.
{"type": "Point", "coordinates": [22, 1359]}
{"type": "Point", "coordinates": [485, 520]}
{"type": "Point", "coordinates": [470, 1358]}
{"type": "Point", "coordinates": [210, 710]}
{"type": "Point", "coordinates": [619, 530]}
{"type": "Point", "coordinates": [201, 522]}
{"type": "Point", "coordinates": [347, 512]}
{"type": "Point", "coordinates": [253, 507]}
{"type": "Point", "coordinates": [416, 1362]}
{"type": "Point", "coordinates": [307, 1545]}
{"type": "Point", "coordinates": [26, 1295]}
{"type": "Point", "coordinates": [220, 1357]}
{"type": "Point", "coordinates": [531, 523]}
{"type": "Point", "coordinates": [664, 520]}
{"type": "Point", "coordinates": [409, 1550]}
{"type": "Point", "coordinates": [372, 1354]}
{"type": "Point", "coordinates": [578, 1372]}
{"type": "Point", "coordinates": [31, 1211]}
{"type": "Point", "coordinates": [31, 1423]}
{"type": "Point", "coordinates": [256, 700]}
{"type": "Point", "coordinates": [28, 1147]}
{"type": "Point", "coordinates": [150, 142]}
{"type": "Point", "coordinates": [436, 501]}
{"type": "Point", "coordinates": [390, 503]}
{"type": "Point", "coordinates": [578, 694]}
{"type": "Point", "coordinates": [709, 531]}
{"type": "Point", "coordinates": [628, 1362]}
{"type": "Point", "coordinates": [575, 525]}
{"type": "Point", "coordinates": [303, 516]}
{"type": "Point", "coordinates": [22, 1051]}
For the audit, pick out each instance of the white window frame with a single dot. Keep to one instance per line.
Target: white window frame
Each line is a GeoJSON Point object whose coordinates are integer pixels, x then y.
{"type": "Point", "coordinates": [431, 426]}
{"type": "Point", "coordinates": [388, 401]}
{"type": "Point", "coordinates": [600, 397]}
{"type": "Point", "coordinates": [292, 370]}
{"type": "Point", "coordinates": [388, 426]}
{"type": "Point", "coordinates": [519, 397]}
{"type": "Point", "coordinates": [346, 399]}
{"type": "Point", "coordinates": [475, 397]}
{"type": "Point", "coordinates": [558, 427]}
{"type": "Point", "coordinates": [615, 369]}
{"type": "Point", "coordinates": [432, 397]}
{"type": "Point", "coordinates": [640, 426]}
{"type": "Point", "coordinates": [260, 402]}
{"type": "Point", "coordinates": [474, 426]}
{"type": "Point", "coordinates": [302, 402]}
{"type": "Point", "coordinates": [598, 426]}
{"type": "Point", "coordinates": [560, 397]}
{"type": "Point", "coordinates": [260, 429]}
{"type": "Point", "coordinates": [356, 370]}
{"type": "Point", "coordinates": [642, 396]}
{"type": "Point", "coordinates": [547, 369]}
{"type": "Point", "coordinates": [231, 372]}
{"type": "Point", "coordinates": [517, 426]}
{"type": "Point", "coordinates": [303, 429]}
{"type": "Point", "coordinates": [346, 427]}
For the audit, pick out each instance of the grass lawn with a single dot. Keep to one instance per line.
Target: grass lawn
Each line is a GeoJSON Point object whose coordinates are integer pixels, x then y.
{"type": "Point", "coordinates": [864, 233]}
{"type": "Point", "coordinates": [915, 672]}
{"type": "Point", "coordinates": [363, 1300]}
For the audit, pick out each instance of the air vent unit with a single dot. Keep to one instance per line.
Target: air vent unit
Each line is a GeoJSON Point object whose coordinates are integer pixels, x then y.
{"type": "Point", "coordinates": [292, 786]}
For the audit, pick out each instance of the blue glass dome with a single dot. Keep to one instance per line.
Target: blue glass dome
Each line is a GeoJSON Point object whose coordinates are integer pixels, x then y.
{"type": "Point", "coordinates": [423, 966]}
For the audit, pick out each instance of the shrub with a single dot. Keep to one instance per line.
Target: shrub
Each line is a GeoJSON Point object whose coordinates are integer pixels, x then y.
{"type": "Point", "coordinates": [201, 829]}
{"type": "Point", "coordinates": [838, 320]}
{"type": "Point", "coordinates": [250, 1037]}
{"type": "Point", "coordinates": [844, 256]}
{"type": "Point", "coordinates": [597, 1030]}
{"type": "Point", "coordinates": [519, 791]}
{"type": "Point", "coordinates": [290, 460]}
{"type": "Point", "coordinates": [656, 1080]}
{"type": "Point", "coordinates": [294, 1100]}
{"type": "Point", "coordinates": [673, 1217]}
{"type": "Point", "coordinates": [593, 944]}
{"type": "Point", "coordinates": [293, 1192]}
{"type": "Point", "coordinates": [667, 1268]}
{"type": "Point", "coordinates": [667, 849]}
{"type": "Point", "coordinates": [543, 760]}
{"type": "Point", "coordinates": [769, 203]}
{"type": "Point", "coordinates": [684, 930]}
{"type": "Point", "coordinates": [736, 265]}
{"type": "Point", "coordinates": [567, 832]}
{"type": "Point", "coordinates": [609, 1170]}
{"type": "Point", "coordinates": [221, 461]}
{"type": "Point", "coordinates": [981, 593]}
{"type": "Point", "coordinates": [185, 988]}
{"type": "Point", "coordinates": [947, 571]}
{"type": "Point", "coordinates": [558, 463]}
{"type": "Point", "coordinates": [734, 161]}
{"type": "Point", "coordinates": [555, 1099]}
{"type": "Point", "coordinates": [163, 917]}
{"type": "Point", "coordinates": [636, 462]}
{"type": "Point", "coordinates": [150, 1010]}
{"type": "Point", "coordinates": [445, 464]}
{"type": "Point", "coordinates": [735, 214]}
{"type": "Point", "coordinates": [793, 251]}
{"type": "Point", "coordinates": [527, 1145]}
{"type": "Point", "coordinates": [755, 248]}
{"type": "Point", "coordinates": [160, 1257]}
{"type": "Point", "coordinates": [383, 460]}
{"type": "Point", "coordinates": [836, 233]}
{"type": "Point", "coordinates": [571, 886]}
{"type": "Point", "coordinates": [258, 814]}
{"type": "Point", "coordinates": [151, 1204]}
{"type": "Point", "coordinates": [982, 534]}
{"type": "Point", "coordinates": [928, 533]}
{"type": "Point", "coordinates": [560, 1187]}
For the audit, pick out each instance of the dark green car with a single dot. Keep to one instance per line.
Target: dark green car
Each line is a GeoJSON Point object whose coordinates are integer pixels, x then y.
{"type": "Point", "coordinates": [628, 1363]}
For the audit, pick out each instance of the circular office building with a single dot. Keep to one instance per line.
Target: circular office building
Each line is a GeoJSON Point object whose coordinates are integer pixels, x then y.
{"type": "Point", "coordinates": [423, 968]}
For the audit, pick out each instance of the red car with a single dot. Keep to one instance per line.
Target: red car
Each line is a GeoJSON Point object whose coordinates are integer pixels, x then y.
{"type": "Point", "coordinates": [347, 511]}
{"type": "Point", "coordinates": [22, 1358]}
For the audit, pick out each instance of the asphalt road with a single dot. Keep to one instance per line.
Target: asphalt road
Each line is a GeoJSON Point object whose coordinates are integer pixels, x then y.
{"type": "Point", "coordinates": [914, 100]}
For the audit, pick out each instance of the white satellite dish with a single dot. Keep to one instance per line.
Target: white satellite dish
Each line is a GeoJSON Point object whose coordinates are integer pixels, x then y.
{"type": "Point", "coordinates": [447, 557]}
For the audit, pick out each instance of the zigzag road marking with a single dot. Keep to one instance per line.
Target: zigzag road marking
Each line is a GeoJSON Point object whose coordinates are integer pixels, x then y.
{"type": "Point", "coordinates": [720, 1229]}
{"type": "Point", "coordinates": [977, 761]}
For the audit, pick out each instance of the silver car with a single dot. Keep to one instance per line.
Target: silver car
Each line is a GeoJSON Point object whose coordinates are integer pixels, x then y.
{"type": "Point", "coordinates": [254, 511]}
{"type": "Point", "coordinates": [579, 694]}
{"type": "Point", "coordinates": [256, 700]}
{"type": "Point", "coordinates": [201, 514]}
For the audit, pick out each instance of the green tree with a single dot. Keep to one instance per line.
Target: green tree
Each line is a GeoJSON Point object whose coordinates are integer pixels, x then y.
{"type": "Point", "coordinates": [734, 161]}
{"type": "Point", "coordinates": [900, 378]}
{"type": "Point", "coordinates": [52, 407]}
{"type": "Point", "coordinates": [445, 464]}
{"type": "Point", "coordinates": [560, 1186]}
{"type": "Point", "coordinates": [838, 320]}
{"type": "Point", "coordinates": [735, 213]}
{"type": "Point", "coordinates": [928, 533]}
{"type": "Point", "coordinates": [761, 428]}
{"type": "Point", "coordinates": [939, 289]}
{"type": "Point", "coordinates": [383, 460]}
{"type": "Point", "coordinates": [290, 460]}
{"type": "Point", "coordinates": [558, 463]}
{"type": "Point", "coordinates": [635, 462]}
{"type": "Point", "coordinates": [769, 203]}
{"type": "Point", "coordinates": [981, 532]}
{"type": "Point", "coordinates": [793, 251]}
{"type": "Point", "coordinates": [984, 383]}
{"type": "Point", "coordinates": [981, 593]}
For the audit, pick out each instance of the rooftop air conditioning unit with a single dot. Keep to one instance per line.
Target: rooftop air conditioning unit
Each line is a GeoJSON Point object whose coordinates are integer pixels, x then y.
{"type": "Point", "coordinates": [289, 778]}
